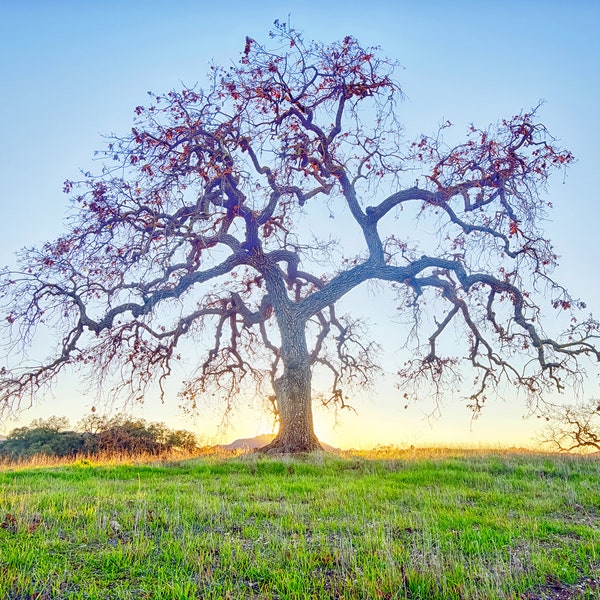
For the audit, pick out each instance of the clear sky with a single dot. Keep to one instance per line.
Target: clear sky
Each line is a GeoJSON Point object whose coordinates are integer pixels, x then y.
{"type": "Point", "coordinates": [72, 71]}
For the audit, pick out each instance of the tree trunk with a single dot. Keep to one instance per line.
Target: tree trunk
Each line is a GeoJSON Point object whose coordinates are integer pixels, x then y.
{"type": "Point", "coordinates": [293, 392]}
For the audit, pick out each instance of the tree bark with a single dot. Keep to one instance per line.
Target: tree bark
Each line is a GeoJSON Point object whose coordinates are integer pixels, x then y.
{"type": "Point", "coordinates": [293, 392]}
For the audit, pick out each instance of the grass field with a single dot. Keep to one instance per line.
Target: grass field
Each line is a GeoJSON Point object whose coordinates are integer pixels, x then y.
{"type": "Point", "coordinates": [452, 525]}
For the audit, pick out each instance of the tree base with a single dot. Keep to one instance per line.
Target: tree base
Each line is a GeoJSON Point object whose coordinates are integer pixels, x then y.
{"type": "Point", "coordinates": [287, 445]}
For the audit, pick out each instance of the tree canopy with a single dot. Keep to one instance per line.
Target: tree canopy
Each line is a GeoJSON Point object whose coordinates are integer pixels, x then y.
{"type": "Point", "coordinates": [209, 222]}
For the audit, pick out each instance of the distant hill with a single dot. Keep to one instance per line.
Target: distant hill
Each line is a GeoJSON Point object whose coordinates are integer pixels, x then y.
{"type": "Point", "coordinates": [259, 441]}
{"type": "Point", "coordinates": [249, 443]}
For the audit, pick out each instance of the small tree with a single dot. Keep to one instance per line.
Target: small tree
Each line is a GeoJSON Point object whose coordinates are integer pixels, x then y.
{"type": "Point", "coordinates": [573, 427]}
{"type": "Point", "coordinates": [125, 434]}
{"type": "Point", "coordinates": [200, 225]}
{"type": "Point", "coordinates": [180, 439]}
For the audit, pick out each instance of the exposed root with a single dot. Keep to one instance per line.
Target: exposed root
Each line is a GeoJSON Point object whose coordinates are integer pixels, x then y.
{"type": "Point", "coordinates": [288, 445]}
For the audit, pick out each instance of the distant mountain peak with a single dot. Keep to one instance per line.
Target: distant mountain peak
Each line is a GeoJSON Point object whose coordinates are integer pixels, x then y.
{"type": "Point", "coordinates": [249, 443]}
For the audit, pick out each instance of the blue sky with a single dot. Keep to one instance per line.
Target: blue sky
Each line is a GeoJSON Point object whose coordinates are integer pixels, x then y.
{"type": "Point", "coordinates": [73, 71]}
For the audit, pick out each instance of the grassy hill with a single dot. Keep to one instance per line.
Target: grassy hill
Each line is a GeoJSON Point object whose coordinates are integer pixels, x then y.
{"type": "Point", "coordinates": [425, 526]}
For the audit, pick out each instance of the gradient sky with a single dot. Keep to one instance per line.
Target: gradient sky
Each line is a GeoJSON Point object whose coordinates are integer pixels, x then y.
{"type": "Point", "coordinates": [73, 71]}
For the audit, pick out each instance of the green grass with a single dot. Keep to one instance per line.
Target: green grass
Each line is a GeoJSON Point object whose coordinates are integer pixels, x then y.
{"type": "Point", "coordinates": [458, 526]}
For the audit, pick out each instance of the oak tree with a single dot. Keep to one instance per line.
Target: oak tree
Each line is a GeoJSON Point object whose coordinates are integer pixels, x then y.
{"type": "Point", "coordinates": [209, 221]}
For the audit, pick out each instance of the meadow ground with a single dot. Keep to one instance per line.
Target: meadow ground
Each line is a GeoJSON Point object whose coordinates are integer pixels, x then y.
{"type": "Point", "coordinates": [419, 525]}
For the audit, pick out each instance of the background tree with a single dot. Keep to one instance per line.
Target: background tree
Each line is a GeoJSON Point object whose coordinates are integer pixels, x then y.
{"type": "Point", "coordinates": [51, 437]}
{"type": "Point", "coordinates": [209, 219]}
{"type": "Point", "coordinates": [124, 434]}
{"type": "Point", "coordinates": [181, 439]}
{"type": "Point", "coordinates": [119, 434]}
{"type": "Point", "coordinates": [573, 427]}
